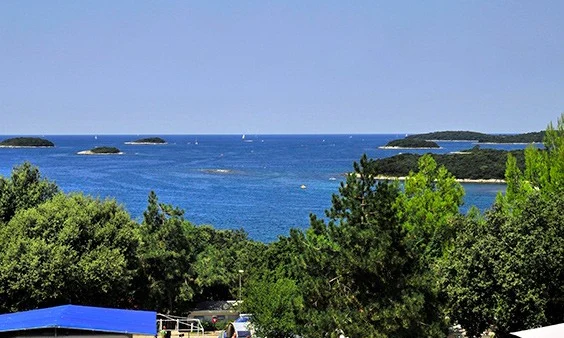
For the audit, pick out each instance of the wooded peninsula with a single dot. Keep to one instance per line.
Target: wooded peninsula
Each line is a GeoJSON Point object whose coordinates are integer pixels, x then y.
{"type": "Point", "coordinates": [533, 137]}
{"type": "Point", "coordinates": [472, 164]}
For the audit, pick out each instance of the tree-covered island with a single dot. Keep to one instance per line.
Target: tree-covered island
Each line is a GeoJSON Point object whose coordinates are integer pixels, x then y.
{"type": "Point", "coordinates": [533, 137]}
{"type": "Point", "coordinates": [148, 140]}
{"type": "Point", "coordinates": [24, 142]}
{"type": "Point", "coordinates": [101, 151]}
{"type": "Point", "coordinates": [472, 164]}
{"type": "Point", "coordinates": [411, 143]}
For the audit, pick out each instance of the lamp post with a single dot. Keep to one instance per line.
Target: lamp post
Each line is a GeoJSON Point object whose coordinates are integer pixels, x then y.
{"type": "Point", "coordinates": [240, 274]}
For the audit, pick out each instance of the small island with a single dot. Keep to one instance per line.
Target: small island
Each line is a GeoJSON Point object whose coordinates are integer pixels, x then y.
{"type": "Point", "coordinates": [26, 142]}
{"type": "Point", "coordinates": [101, 151]}
{"type": "Point", "coordinates": [410, 143]}
{"type": "Point", "coordinates": [148, 140]}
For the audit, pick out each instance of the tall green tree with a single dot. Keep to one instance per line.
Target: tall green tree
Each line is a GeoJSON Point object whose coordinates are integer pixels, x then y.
{"type": "Point", "coordinates": [25, 188]}
{"type": "Point", "coordinates": [70, 249]}
{"type": "Point", "coordinates": [429, 204]}
{"type": "Point", "coordinates": [168, 246]}
{"type": "Point", "coordinates": [544, 168]}
{"type": "Point", "coordinates": [361, 271]}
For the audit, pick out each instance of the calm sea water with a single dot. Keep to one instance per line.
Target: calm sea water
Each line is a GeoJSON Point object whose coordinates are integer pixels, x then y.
{"type": "Point", "coordinates": [223, 180]}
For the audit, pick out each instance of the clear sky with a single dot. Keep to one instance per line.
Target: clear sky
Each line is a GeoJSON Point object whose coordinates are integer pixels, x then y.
{"type": "Point", "coordinates": [259, 67]}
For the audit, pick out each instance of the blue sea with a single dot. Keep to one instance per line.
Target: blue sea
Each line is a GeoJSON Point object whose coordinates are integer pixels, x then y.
{"type": "Point", "coordinates": [228, 181]}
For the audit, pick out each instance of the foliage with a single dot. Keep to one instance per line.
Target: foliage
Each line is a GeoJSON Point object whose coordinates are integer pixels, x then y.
{"type": "Point", "coordinates": [165, 264]}
{"type": "Point", "coordinates": [105, 150]}
{"type": "Point", "coordinates": [276, 305]}
{"type": "Point", "coordinates": [24, 189]}
{"type": "Point", "coordinates": [182, 264]}
{"type": "Point", "coordinates": [412, 143]}
{"type": "Point", "coordinates": [26, 142]}
{"type": "Point", "coordinates": [168, 245]}
{"type": "Point", "coordinates": [507, 271]}
{"type": "Point", "coordinates": [431, 199]}
{"type": "Point", "coordinates": [216, 267]}
{"type": "Point", "coordinates": [544, 169]}
{"type": "Point", "coordinates": [361, 272]}
{"type": "Point", "coordinates": [70, 249]}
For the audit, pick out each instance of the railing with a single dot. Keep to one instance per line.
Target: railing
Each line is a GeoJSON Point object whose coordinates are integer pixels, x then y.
{"type": "Point", "coordinates": [180, 326]}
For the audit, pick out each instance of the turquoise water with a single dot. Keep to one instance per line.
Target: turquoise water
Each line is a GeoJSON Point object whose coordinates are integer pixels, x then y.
{"type": "Point", "coordinates": [223, 180]}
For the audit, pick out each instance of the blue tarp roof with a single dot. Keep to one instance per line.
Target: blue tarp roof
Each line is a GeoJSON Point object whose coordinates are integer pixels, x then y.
{"type": "Point", "coordinates": [82, 318]}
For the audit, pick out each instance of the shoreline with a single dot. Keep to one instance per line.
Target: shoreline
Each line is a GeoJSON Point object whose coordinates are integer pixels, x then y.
{"type": "Point", "coordinates": [5, 146]}
{"type": "Point", "coordinates": [460, 180]}
{"type": "Point", "coordinates": [515, 143]}
{"type": "Point", "coordinates": [90, 152]}
{"type": "Point", "coordinates": [414, 148]}
{"type": "Point", "coordinates": [144, 143]}
{"type": "Point", "coordinates": [478, 142]}
{"type": "Point", "coordinates": [467, 141]}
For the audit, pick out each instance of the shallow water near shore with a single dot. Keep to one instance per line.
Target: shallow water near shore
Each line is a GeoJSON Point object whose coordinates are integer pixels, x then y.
{"type": "Point", "coordinates": [264, 184]}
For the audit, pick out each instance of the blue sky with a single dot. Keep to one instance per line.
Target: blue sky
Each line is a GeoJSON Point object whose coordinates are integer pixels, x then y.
{"type": "Point", "coordinates": [260, 67]}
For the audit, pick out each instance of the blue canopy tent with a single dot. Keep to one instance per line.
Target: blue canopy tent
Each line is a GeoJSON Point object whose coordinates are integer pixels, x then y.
{"type": "Point", "coordinates": [83, 318]}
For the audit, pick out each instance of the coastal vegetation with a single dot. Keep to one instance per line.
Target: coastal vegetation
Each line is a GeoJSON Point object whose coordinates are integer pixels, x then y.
{"type": "Point", "coordinates": [473, 164]}
{"type": "Point", "coordinates": [533, 137]}
{"type": "Point", "coordinates": [386, 261]}
{"type": "Point", "coordinates": [105, 150]}
{"type": "Point", "coordinates": [411, 143]}
{"type": "Point", "coordinates": [149, 140]}
{"type": "Point", "coordinates": [26, 142]}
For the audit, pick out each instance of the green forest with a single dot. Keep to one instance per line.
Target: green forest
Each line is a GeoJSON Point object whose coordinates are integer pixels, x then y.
{"type": "Point", "coordinates": [473, 163]}
{"type": "Point", "coordinates": [386, 261]}
{"type": "Point", "coordinates": [531, 137]}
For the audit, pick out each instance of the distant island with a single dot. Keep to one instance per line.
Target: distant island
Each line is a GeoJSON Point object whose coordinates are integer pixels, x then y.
{"type": "Point", "coordinates": [26, 142]}
{"type": "Point", "coordinates": [148, 140]}
{"type": "Point", "coordinates": [481, 165]}
{"type": "Point", "coordinates": [101, 151]}
{"type": "Point", "coordinates": [533, 137]}
{"type": "Point", "coordinates": [411, 143]}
